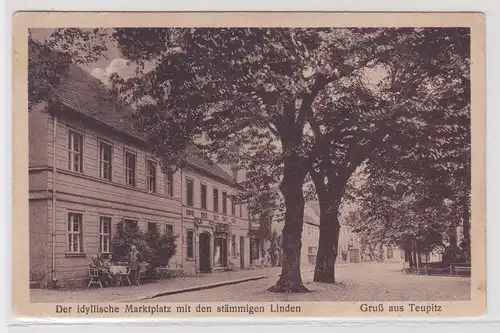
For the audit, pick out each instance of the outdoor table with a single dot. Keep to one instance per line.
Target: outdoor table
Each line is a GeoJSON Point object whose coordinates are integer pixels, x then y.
{"type": "Point", "coordinates": [114, 270]}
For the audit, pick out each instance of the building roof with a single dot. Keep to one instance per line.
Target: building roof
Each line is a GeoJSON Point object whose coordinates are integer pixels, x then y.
{"type": "Point", "coordinates": [88, 96]}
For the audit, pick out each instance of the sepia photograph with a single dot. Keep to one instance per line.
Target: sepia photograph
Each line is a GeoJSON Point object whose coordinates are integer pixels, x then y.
{"type": "Point", "coordinates": [255, 168]}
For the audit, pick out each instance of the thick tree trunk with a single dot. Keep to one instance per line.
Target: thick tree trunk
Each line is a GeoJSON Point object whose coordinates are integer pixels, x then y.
{"type": "Point", "coordinates": [291, 187]}
{"type": "Point", "coordinates": [328, 246]}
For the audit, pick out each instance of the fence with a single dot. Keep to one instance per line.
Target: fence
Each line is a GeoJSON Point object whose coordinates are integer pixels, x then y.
{"type": "Point", "coordinates": [451, 270]}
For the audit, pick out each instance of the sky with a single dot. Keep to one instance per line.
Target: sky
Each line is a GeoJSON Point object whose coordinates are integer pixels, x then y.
{"type": "Point", "coordinates": [113, 62]}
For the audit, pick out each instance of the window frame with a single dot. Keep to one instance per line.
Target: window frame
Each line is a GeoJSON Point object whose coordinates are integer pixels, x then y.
{"type": "Point", "coordinates": [203, 195]}
{"type": "Point", "coordinates": [102, 234]}
{"type": "Point", "coordinates": [72, 152]}
{"type": "Point", "coordinates": [189, 195]}
{"type": "Point", "coordinates": [224, 202]}
{"type": "Point", "coordinates": [101, 161]}
{"type": "Point", "coordinates": [233, 206]}
{"type": "Point", "coordinates": [125, 219]}
{"type": "Point", "coordinates": [71, 233]}
{"type": "Point", "coordinates": [215, 199]}
{"type": "Point", "coordinates": [169, 183]}
{"type": "Point", "coordinates": [190, 245]}
{"type": "Point", "coordinates": [127, 169]}
{"type": "Point", "coordinates": [233, 246]}
{"type": "Point", "coordinates": [151, 177]}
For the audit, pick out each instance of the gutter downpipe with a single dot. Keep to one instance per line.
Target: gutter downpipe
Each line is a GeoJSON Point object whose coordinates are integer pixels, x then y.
{"type": "Point", "coordinates": [182, 221]}
{"type": "Point", "coordinates": [54, 198]}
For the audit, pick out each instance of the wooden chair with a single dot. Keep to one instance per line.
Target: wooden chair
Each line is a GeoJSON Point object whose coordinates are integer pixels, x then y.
{"type": "Point", "coordinates": [123, 275]}
{"type": "Point", "coordinates": [94, 277]}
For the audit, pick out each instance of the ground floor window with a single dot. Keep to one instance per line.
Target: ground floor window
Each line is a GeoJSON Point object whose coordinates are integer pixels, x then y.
{"type": "Point", "coordinates": [233, 246]}
{"type": "Point", "coordinates": [104, 234]}
{"type": "Point", "coordinates": [189, 243]}
{"type": "Point", "coordinates": [75, 233]}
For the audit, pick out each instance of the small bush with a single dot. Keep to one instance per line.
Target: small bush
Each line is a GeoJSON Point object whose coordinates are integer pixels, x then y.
{"type": "Point", "coordinates": [156, 249]}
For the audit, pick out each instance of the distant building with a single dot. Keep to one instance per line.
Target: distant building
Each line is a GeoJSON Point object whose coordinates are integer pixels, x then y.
{"type": "Point", "coordinates": [310, 241]}
{"type": "Point", "coordinates": [349, 249]}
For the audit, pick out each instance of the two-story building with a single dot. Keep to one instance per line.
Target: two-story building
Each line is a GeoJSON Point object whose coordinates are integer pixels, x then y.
{"type": "Point", "coordinates": [310, 238]}
{"type": "Point", "coordinates": [89, 169]}
{"type": "Point", "coordinates": [217, 228]}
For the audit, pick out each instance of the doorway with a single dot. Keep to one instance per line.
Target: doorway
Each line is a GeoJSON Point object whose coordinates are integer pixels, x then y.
{"type": "Point", "coordinates": [242, 251]}
{"type": "Point", "coordinates": [204, 249]}
{"type": "Point", "coordinates": [354, 255]}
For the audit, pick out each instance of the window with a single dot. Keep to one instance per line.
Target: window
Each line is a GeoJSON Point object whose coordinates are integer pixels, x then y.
{"type": "Point", "coordinates": [104, 160]}
{"type": "Point", "coordinates": [233, 206]}
{"type": "Point", "coordinates": [203, 191]}
{"type": "Point", "coordinates": [189, 192]}
{"type": "Point", "coordinates": [241, 210]}
{"type": "Point", "coordinates": [311, 249]}
{"type": "Point", "coordinates": [233, 246]}
{"type": "Point", "coordinates": [75, 235]}
{"type": "Point", "coordinates": [170, 183]}
{"type": "Point", "coordinates": [224, 203]}
{"type": "Point", "coordinates": [190, 250]}
{"type": "Point", "coordinates": [169, 229]}
{"type": "Point", "coordinates": [152, 226]}
{"type": "Point", "coordinates": [130, 224]}
{"type": "Point", "coordinates": [151, 175]}
{"type": "Point", "coordinates": [104, 234]}
{"type": "Point", "coordinates": [75, 150]}
{"type": "Point", "coordinates": [216, 200]}
{"type": "Point", "coordinates": [129, 168]}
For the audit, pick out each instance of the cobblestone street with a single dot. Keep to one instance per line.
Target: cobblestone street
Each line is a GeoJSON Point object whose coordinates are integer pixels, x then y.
{"type": "Point", "coordinates": [356, 282]}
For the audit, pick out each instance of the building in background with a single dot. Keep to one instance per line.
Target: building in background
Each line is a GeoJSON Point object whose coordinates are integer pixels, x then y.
{"type": "Point", "coordinates": [310, 237]}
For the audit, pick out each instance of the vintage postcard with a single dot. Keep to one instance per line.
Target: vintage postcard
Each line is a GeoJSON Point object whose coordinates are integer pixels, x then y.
{"type": "Point", "coordinates": [199, 165]}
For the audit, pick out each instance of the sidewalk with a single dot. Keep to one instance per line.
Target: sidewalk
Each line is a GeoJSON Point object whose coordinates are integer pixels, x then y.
{"type": "Point", "coordinates": [131, 293]}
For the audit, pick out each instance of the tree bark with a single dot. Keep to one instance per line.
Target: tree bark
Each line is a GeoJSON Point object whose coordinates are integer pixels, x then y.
{"type": "Point", "coordinates": [328, 243]}
{"type": "Point", "coordinates": [291, 186]}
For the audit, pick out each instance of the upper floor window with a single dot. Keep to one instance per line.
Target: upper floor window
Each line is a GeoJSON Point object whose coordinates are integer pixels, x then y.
{"type": "Point", "coordinates": [170, 182]}
{"type": "Point", "coordinates": [105, 161]}
{"type": "Point", "coordinates": [129, 168]}
{"type": "Point", "coordinates": [233, 206]}
{"type": "Point", "coordinates": [203, 190]}
{"type": "Point", "coordinates": [216, 200]}
{"type": "Point", "coordinates": [241, 210]}
{"type": "Point", "coordinates": [224, 202]}
{"type": "Point", "coordinates": [189, 192]}
{"type": "Point", "coordinates": [75, 233]}
{"type": "Point", "coordinates": [151, 175]}
{"type": "Point", "coordinates": [75, 151]}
